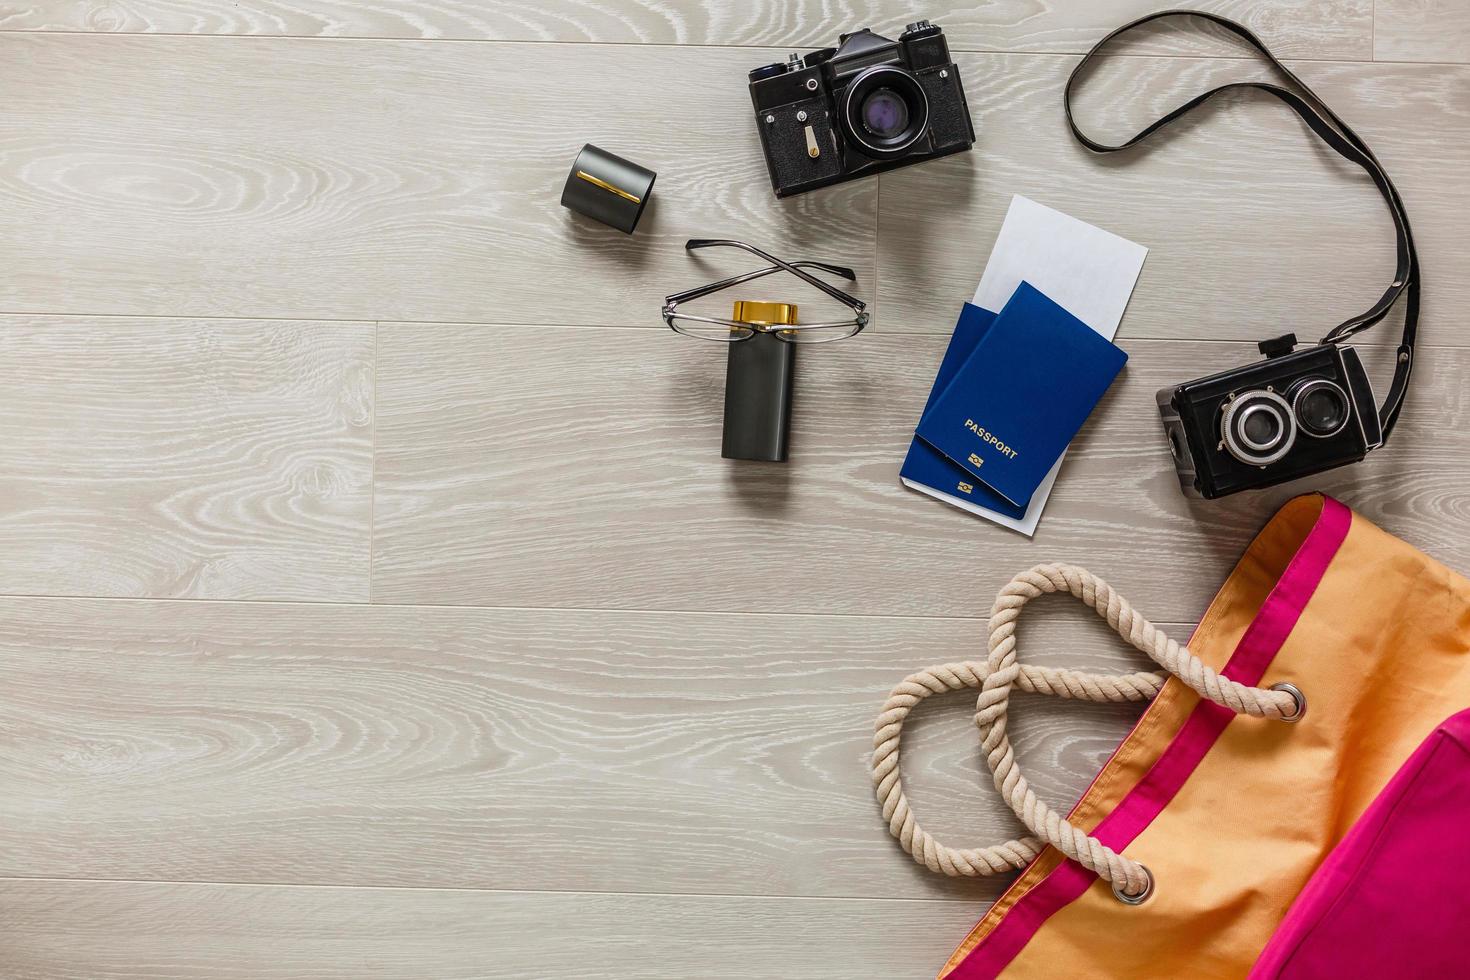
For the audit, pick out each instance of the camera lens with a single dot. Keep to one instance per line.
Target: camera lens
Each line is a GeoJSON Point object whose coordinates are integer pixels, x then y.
{"type": "Point", "coordinates": [1322, 408]}
{"type": "Point", "coordinates": [885, 111]}
{"type": "Point", "coordinates": [1257, 427]}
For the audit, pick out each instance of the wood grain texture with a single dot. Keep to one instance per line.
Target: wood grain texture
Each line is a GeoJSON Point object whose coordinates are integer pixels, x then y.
{"type": "Point", "coordinates": [1421, 30]}
{"type": "Point", "coordinates": [1253, 226]}
{"type": "Point", "coordinates": [658, 767]}
{"type": "Point", "coordinates": [579, 467]}
{"type": "Point", "coordinates": [202, 458]}
{"type": "Point", "coordinates": [379, 180]}
{"type": "Point", "coordinates": [506, 749]}
{"type": "Point", "coordinates": [59, 930]}
{"type": "Point", "coordinates": [365, 179]}
{"type": "Point", "coordinates": [1301, 28]}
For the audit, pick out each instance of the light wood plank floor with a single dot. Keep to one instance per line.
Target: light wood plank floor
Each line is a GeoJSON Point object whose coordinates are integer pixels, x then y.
{"type": "Point", "coordinates": [373, 599]}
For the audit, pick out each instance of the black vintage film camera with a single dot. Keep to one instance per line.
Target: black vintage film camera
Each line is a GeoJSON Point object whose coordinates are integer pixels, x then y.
{"type": "Point", "coordinates": [868, 105]}
{"type": "Point", "coordinates": [1294, 414]}
{"type": "Point", "coordinates": [1298, 412]}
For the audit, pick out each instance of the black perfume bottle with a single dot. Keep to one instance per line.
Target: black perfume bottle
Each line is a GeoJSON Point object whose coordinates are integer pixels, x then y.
{"type": "Point", "coordinates": [762, 337]}
{"type": "Point", "coordinates": [759, 374]}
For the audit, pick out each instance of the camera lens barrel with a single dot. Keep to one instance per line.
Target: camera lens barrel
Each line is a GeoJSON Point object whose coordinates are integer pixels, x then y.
{"type": "Point", "coordinates": [884, 111]}
{"type": "Point", "coordinates": [1258, 427]}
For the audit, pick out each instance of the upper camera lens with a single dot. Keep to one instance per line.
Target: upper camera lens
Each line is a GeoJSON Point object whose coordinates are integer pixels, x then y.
{"type": "Point", "coordinates": [1321, 406]}
{"type": "Point", "coordinates": [1257, 427]}
{"type": "Point", "coordinates": [885, 114]}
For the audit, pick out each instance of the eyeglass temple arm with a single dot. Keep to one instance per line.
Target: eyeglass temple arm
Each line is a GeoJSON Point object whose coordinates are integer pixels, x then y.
{"type": "Point", "coordinates": [714, 287]}
{"type": "Point", "coordinates": [832, 291]}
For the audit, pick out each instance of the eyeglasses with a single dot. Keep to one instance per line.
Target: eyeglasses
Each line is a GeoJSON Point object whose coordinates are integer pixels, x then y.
{"type": "Point", "coordinates": [730, 331]}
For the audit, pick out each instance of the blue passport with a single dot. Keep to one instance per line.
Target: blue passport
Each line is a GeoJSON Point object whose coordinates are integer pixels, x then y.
{"type": "Point", "coordinates": [1017, 400]}
{"type": "Point", "coordinates": [926, 465]}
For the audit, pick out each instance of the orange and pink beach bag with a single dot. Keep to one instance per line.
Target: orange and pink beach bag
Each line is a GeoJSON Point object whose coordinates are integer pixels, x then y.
{"type": "Point", "coordinates": [1294, 803]}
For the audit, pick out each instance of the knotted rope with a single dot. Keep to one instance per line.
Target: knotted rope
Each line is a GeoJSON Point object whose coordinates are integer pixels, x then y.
{"type": "Point", "coordinates": [995, 677]}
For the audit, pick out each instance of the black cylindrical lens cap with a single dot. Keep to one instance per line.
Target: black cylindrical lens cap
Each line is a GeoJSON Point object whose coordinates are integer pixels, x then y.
{"type": "Point", "coordinates": [607, 188]}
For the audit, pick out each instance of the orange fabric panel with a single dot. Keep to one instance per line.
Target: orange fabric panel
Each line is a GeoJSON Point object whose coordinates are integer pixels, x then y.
{"type": "Point", "coordinates": [1382, 652]}
{"type": "Point", "coordinates": [1224, 623]}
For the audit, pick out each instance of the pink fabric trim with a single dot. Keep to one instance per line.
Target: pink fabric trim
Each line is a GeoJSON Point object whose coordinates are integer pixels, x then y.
{"type": "Point", "coordinates": [1390, 901]}
{"type": "Point", "coordinates": [1266, 633]}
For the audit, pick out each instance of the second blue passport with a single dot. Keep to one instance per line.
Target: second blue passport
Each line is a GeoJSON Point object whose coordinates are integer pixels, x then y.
{"type": "Point", "coordinates": [1016, 402]}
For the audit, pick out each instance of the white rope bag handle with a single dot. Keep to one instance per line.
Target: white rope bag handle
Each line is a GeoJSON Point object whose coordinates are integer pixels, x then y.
{"type": "Point", "coordinates": [994, 678]}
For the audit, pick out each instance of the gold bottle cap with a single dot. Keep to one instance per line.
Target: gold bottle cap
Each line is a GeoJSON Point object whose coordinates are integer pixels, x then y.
{"type": "Point", "coordinates": [769, 314]}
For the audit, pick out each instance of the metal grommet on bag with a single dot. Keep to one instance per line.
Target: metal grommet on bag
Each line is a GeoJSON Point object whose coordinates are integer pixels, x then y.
{"type": "Point", "coordinates": [1140, 897]}
{"type": "Point", "coordinates": [1298, 697]}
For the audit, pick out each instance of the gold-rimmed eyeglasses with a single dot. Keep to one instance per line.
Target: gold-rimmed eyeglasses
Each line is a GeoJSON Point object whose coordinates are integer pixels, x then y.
{"type": "Point", "coordinates": [733, 330]}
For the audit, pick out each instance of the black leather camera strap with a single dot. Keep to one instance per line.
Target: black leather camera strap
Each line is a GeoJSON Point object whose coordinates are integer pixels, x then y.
{"type": "Point", "coordinates": [1341, 138]}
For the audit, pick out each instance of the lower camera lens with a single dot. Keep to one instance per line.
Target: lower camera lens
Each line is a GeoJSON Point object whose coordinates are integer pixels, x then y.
{"type": "Point", "coordinates": [885, 111]}
{"type": "Point", "coordinates": [1260, 427]}
{"type": "Point", "coordinates": [1257, 427]}
{"type": "Point", "coordinates": [1321, 407]}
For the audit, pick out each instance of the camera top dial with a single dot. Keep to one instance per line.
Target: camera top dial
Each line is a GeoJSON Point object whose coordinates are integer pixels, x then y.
{"type": "Point", "coordinates": [793, 63]}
